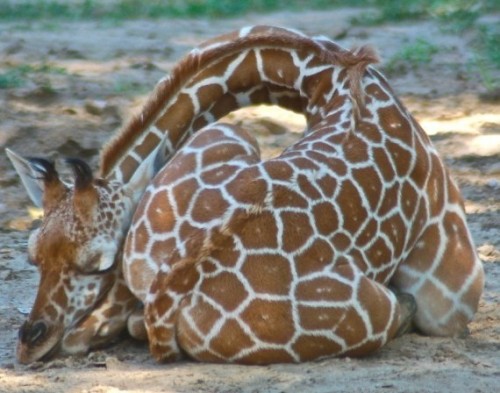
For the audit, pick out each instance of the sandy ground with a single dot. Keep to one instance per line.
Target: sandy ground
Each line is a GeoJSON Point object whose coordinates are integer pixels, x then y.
{"type": "Point", "coordinates": [110, 67]}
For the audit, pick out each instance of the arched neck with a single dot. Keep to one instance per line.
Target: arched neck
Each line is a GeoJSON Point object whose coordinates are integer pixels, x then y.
{"type": "Point", "coordinates": [261, 65]}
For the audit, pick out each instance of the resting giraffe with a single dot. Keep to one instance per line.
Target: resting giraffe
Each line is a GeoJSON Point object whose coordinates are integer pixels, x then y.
{"type": "Point", "coordinates": [246, 261]}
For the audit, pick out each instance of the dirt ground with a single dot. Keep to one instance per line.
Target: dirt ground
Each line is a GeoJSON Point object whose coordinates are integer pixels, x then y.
{"type": "Point", "coordinates": [108, 68]}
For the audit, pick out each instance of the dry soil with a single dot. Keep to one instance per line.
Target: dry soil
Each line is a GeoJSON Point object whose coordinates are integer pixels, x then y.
{"type": "Point", "coordinates": [108, 70]}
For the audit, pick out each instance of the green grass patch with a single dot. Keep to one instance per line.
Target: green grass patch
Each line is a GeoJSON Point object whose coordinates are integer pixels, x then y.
{"type": "Point", "coordinates": [412, 55]}
{"type": "Point", "coordinates": [388, 10]}
{"type": "Point", "coordinates": [128, 88]}
{"type": "Point", "coordinates": [456, 15]}
{"type": "Point", "coordinates": [487, 59]}
{"type": "Point", "coordinates": [134, 9]}
{"type": "Point", "coordinates": [17, 76]}
{"type": "Point", "coordinates": [42, 68]}
{"type": "Point", "coordinates": [489, 43]}
{"type": "Point", "coordinates": [391, 11]}
{"type": "Point", "coordinates": [11, 79]}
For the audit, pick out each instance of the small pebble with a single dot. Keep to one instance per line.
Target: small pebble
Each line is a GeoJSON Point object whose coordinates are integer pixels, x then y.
{"type": "Point", "coordinates": [95, 107]}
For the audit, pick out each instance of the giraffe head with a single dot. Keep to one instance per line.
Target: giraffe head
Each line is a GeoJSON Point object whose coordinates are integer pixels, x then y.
{"type": "Point", "coordinates": [77, 249]}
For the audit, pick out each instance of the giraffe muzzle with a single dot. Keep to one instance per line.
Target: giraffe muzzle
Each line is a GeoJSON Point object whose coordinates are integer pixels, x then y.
{"type": "Point", "coordinates": [32, 333]}
{"type": "Point", "coordinates": [38, 341]}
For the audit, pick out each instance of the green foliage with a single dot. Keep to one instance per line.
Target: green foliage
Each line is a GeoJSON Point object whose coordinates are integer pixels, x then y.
{"type": "Point", "coordinates": [487, 59]}
{"type": "Point", "coordinates": [42, 68]}
{"type": "Point", "coordinates": [132, 9]}
{"type": "Point", "coordinates": [490, 44]}
{"type": "Point", "coordinates": [128, 88]}
{"type": "Point", "coordinates": [17, 76]}
{"type": "Point", "coordinates": [11, 79]}
{"type": "Point", "coordinates": [457, 15]}
{"type": "Point", "coordinates": [454, 16]}
{"type": "Point", "coordinates": [413, 55]}
{"type": "Point", "coordinates": [392, 10]}
{"type": "Point", "coordinates": [388, 10]}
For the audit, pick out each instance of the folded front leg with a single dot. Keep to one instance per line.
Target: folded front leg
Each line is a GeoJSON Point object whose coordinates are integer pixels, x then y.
{"type": "Point", "coordinates": [162, 305]}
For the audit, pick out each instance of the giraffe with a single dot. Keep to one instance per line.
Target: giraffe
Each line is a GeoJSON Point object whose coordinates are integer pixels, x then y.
{"type": "Point", "coordinates": [241, 260]}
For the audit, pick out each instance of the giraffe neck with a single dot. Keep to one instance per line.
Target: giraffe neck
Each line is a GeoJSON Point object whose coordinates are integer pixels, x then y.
{"type": "Point", "coordinates": [259, 65]}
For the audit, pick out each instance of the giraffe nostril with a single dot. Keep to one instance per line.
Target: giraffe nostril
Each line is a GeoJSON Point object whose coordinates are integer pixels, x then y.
{"type": "Point", "coordinates": [31, 333]}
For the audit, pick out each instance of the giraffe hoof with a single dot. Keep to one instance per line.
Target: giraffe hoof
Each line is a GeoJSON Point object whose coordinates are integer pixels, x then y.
{"type": "Point", "coordinates": [408, 307]}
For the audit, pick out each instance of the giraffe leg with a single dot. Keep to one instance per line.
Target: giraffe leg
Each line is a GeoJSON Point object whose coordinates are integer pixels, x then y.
{"type": "Point", "coordinates": [373, 315]}
{"type": "Point", "coordinates": [161, 309]}
{"type": "Point", "coordinates": [340, 313]}
{"type": "Point", "coordinates": [445, 277]}
{"type": "Point", "coordinates": [363, 316]}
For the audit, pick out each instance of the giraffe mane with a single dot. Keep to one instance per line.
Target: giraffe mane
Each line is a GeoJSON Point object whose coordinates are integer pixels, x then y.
{"type": "Point", "coordinates": [213, 51]}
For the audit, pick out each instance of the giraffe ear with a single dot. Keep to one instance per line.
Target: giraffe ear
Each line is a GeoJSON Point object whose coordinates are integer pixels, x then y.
{"type": "Point", "coordinates": [145, 172]}
{"type": "Point", "coordinates": [40, 179]}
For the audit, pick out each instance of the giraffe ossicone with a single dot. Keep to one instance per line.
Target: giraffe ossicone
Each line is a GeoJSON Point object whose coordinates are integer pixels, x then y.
{"type": "Point", "coordinates": [194, 242]}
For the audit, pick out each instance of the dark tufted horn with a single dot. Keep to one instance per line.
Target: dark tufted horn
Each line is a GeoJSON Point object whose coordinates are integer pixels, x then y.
{"type": "Point", "coordinates": [83, 173]}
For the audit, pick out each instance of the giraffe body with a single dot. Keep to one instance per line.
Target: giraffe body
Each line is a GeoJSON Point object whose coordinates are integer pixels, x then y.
{"type": "Point", "coordinates": [242, 260]}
